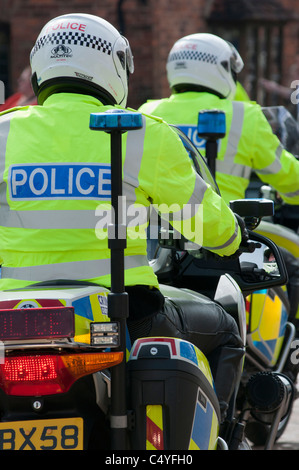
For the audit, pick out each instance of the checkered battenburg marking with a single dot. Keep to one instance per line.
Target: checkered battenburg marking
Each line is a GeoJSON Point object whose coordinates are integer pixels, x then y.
{"type": "Point", "coordinates": [193, 55]}
{"type": "Point", "coordinates": [76, 38]}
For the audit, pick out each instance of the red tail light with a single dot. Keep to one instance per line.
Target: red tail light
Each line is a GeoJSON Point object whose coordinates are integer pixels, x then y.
{"type": "Point", "coordinates": [51, 374]}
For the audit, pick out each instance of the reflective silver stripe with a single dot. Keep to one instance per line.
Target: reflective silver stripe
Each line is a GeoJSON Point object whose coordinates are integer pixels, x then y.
{"type": "Point", "coordinates": [71, 270]}
{"type": "Point", "coordinates": [195, 200]}
{"type": "Point", "coordinates": [229, 242]}
{"type": "Point", "coordinates": [228, 165]}
{"type": "Point", "coordinates": [200, 188]}
{"type": "Point", "coordinates": [132, 163]}
{"type": "Point", "coordinates": [293, 194]}
{"type": "Point", "coordinates": [4, 131]}
{"type": "Point", "coordinates": [242, 171]}
{"type": "Point", "coordinates": [275, 167]}
{"type": "Point", "coordinates": [59, 219]}
{"type": "Point", "coordinates": [72, 219]}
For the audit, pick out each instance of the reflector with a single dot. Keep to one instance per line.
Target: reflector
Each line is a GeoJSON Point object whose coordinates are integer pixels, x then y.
{"type": "Point", "coordinates": [37, 323]}
{"type": "Point", "coordinates": [104, 334]}
{"type": "Point", "coordinates": [51, 374]}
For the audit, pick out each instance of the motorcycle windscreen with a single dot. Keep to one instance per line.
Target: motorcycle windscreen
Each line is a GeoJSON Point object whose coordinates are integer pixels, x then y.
{"type": "Point", "coordinates": [198, 160]}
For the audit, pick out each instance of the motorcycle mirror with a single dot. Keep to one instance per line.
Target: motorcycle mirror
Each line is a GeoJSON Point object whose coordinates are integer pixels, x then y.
{"type": "Point", "coordinates": [252, 210]}
{"type": "Point", "coordinates": [252, 207]}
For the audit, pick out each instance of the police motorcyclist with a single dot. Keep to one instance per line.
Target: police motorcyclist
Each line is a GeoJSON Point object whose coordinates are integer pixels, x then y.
{"type": "Point", "coordinates": [55, 172]}
{"type": "Point", "coordinates": [202, 73]}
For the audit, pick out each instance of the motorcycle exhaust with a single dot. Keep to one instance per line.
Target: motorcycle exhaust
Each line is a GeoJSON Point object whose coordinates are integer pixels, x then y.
{"type": "Point", "coordinates": [268, 392]}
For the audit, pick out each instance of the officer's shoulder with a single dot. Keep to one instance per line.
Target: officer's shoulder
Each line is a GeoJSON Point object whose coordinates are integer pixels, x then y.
{"type": "Point", "coordinates": [153, 117]}
{"type": "Point", "coordinates": [147, 116]}
{"type": "Point", "coordinates": [13, 110]}
{"type": "Point", "coordinates": [248, 104]}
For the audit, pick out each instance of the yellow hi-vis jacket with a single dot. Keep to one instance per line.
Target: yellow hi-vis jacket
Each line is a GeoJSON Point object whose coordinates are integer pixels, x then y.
{"type": "Point", "coordinates": [55, 189]}
{"type": "Point", "coordinates": [249, 144]}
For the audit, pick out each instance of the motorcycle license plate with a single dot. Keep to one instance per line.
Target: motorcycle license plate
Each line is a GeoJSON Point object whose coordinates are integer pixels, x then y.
{"type": "Point", "coordinates": [50, 434]}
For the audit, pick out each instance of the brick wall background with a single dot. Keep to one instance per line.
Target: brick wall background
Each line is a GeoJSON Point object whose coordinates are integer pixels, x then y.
{"type": "Point", "coordinates": [151, 27]}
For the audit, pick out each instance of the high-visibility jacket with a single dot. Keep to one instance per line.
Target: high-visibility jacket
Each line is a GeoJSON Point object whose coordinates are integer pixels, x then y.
{"type": "Point", "coordinates": [249, 144]}
{"type": "Point", "coordinates": [55, 188]}
{"type": "Point", "coordinates": [241, 94]}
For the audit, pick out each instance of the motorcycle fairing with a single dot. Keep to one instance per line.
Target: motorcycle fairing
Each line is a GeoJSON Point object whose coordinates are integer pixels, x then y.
{"type": "Point", "coordinates": [267, 319]}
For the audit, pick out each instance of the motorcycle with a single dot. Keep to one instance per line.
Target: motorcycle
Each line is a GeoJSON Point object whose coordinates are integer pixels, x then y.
{"type": "Point", "coordinates": [230, 283]}
{"type": "Point", "coordinates": [271, 307]}
{"type": "Point", "coordinates": [269, 334]}
{"type": "Point", "coordinates": [282, 228]}
{"type": "Point", "coordinates": [70, 379]}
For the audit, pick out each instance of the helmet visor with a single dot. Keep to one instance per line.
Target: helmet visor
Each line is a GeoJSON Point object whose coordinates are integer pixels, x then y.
{"type": "Point", "coordinates": [129, 56]}
{"type": "Point", "coordinates": [236, 62]}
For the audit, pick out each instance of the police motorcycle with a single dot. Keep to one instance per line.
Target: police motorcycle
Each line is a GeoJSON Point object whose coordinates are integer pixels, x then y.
{"type": "Point", "coordinates": [70, 379]}
{"type": "Point", "coordinates": [285, 215]}
{"type": "Point", "coordinates": [265, 394]}
{"type": "Point", "coordinates": [270, 327]}
{"type": "Point", "coordinates": [282, 227]}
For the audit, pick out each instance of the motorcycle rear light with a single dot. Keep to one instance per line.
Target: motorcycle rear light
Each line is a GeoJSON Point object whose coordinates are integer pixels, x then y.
{"type": "Point", "coordinates": [104, 334]}
{"type": "Point", "coordinates": [37, 323]}
{"type": "Point", "coordinates": [51, 374]}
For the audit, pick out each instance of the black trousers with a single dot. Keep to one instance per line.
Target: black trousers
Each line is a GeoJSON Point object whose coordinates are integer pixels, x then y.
{"type": "Point", "coordinates": [204, 323]}
{"type": "Point", "coordinates": [292, 265]}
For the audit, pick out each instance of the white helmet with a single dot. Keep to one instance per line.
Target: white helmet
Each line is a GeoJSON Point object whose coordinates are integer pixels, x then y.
{"type": "Point", "coordinates": [204, 60]}
{"type": "Point", "coordinates": [84, 52]}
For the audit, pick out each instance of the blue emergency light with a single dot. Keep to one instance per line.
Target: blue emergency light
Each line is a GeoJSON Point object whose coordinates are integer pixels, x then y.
{"type": "Point", "coordinates": [211, 124]}
{"type": "Point", "coordinates": [115, 119]}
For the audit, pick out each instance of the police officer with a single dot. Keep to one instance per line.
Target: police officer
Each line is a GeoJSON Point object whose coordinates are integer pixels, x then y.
{"type": "Point", "coordinates": [202, 73]}
{"type": "Point", "coordinates": [55, 173]}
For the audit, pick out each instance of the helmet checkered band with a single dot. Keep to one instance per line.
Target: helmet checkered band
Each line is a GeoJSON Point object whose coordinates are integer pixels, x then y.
{"type": "Point", "coordinates": [75, 38]}
{"type": "Point", "coordinates": [193, 55]}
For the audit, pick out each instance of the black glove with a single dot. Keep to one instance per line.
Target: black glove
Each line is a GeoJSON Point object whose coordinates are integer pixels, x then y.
{"type": "Point", "coordinates": [244, 245]}
{"type": "Point", "coordinates": [244, 232]}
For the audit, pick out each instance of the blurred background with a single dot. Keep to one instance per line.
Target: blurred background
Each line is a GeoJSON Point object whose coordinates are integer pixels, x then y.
{"type": "Point", "coordinates": [266, 33]}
